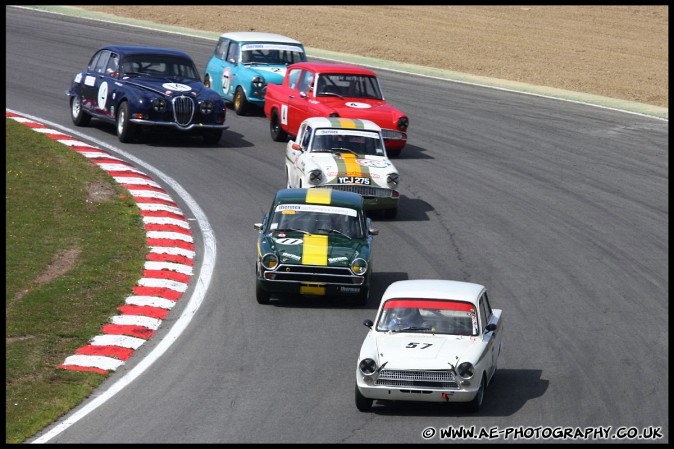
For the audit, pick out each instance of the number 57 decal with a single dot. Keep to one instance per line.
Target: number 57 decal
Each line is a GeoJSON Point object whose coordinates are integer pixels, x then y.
{"type": "Point", "coordinates": [413, 345]}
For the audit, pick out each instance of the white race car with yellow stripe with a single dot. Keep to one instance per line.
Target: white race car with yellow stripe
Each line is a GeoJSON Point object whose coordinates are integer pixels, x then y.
{"type": "Point", "coordinates": [344, 154]}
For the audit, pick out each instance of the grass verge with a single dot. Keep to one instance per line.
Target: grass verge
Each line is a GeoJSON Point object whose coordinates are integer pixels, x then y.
{"type": "Point", "coordinates": [75, 248]}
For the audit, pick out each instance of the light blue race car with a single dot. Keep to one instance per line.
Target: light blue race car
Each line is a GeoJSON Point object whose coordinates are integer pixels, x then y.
{"type": "Point", "coordinates": [244, 63]}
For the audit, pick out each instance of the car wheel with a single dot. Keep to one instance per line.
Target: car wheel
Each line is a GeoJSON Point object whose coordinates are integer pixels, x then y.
{"type": "Point", "coordinates": [80, 118]}
{"type": "Point", "coordinates": [240, 102]}
{"type": "Point", "coordinates": [261, 295]}
{"type": "Point", "coordinates": [363, 404]}
{"type": "Point", "coordinates": [212, 136]}
{"type": "Point", "coordinates": [277, 133]}
{"type": "Point", "coordinates": [476, 403]}
{"type": "Point", "coordinates": [390, 213]}
{"type": "Point", "coordinates": [207, 81]}
{"type": "Point", "coordinates": [393, 154]}
{"type": "Point", "coordinates": [126, 130]}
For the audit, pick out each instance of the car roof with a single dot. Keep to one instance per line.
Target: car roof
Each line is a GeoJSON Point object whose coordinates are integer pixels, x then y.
{"type": "Point", "coordinates": [319, 195]}
{"type": "Point", "coordinates": [332, 67]}
{"type": "Point", "coordinates": [256, 36]}
{"type": "Point", "coordinates": [339, 122]}
{"type": "Point", "coordinates": [135, 50]}
{"type": "Point", "coordinates": [434, 289]}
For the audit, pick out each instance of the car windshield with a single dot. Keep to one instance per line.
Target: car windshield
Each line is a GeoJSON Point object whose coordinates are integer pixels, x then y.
{"type": "Point", "coordinates": [348, 86]}
{"type": "Point", "coordinates": [354, 141]}
{"type": "Point", "coordinates": [159, 65]}
{"type": "Point", "coordinates": [274, 54]}
{"type": "Point", "coordinates": [316, 219]}
{"type": "Point", "coordinates": [428, 315]}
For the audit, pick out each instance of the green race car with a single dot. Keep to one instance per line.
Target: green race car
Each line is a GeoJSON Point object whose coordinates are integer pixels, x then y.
{"type": "Point", "coordinates": [314, 242]}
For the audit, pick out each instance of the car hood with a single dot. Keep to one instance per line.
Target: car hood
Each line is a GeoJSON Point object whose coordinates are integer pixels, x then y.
{"type": "Point", "coordinates": [336, 165]}
{"type": "Point", "coordinates": [168, 86]}
{"type": "Point", "coordinates": [380, 112]}
{"type": "Point", "coordinates": [294, 249]}
{"type": "Point", "coordinates": [272, 74]}
{"type": "Point", "coordinates": [432, 351]}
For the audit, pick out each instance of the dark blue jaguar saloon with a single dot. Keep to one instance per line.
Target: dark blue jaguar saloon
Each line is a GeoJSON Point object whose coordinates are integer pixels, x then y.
{"type": "Point", "coordinates": [142, 87]}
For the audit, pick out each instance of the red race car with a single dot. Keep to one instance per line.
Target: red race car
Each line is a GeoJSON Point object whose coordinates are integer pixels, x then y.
{"type": "Point", "coordinates": [327, 89]}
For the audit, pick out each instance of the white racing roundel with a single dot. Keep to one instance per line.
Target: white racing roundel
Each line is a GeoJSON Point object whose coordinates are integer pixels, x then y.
{"type": "Point", "coordinates": [176, 87]}
{"type": "Point", "coordinates": [353, 104]}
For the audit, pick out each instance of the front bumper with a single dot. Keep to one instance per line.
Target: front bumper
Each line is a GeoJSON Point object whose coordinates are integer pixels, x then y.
{"type": "Point", "coordinates": [374, 198]}
{"type": "Point", "coordinates": [193, 126]}
{"type": "Point", "coordinates": [312, 280]}
{"type": "Point", "coordinates": [416, 390]}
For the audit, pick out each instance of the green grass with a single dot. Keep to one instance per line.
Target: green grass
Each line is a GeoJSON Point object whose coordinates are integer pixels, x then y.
{"type": "Point", "coordinates": [49, 316]}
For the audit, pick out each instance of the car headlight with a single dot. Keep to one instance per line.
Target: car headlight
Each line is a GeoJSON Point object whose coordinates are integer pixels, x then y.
{"type": "Point", "coordinates": [258, 82]}
{"type": "Point", "coordinates": [159, 104]}
{"type": "Point", "coordinates": [315, 177]}
{"type": "Point", "coordinates": [270, 261]}
{"type": "Point", "coordinates": [367, 367]}
{"type": "Point", "coordinates": [466, 370]}
{"type": "Point", "coordinates": [403, 123]}
{"type": "Point", "coordinates": [392, 180]}
{"type": "Point", "coordinates": [359, 266]}
{"type": "Point", "coordinates": [206, 107]}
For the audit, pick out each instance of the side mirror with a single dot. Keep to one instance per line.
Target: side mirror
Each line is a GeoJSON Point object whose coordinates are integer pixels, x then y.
{"type": "Point", "coordinates": [257, 226]}
{"type": "Point", "coordinates": [490, 328]}
{"type": "Point", "coordinates": [296, 146]}
{"type": "Point", "coordinates": [368, 323]}
{"type": "Point", "coordinates": [373, 231]}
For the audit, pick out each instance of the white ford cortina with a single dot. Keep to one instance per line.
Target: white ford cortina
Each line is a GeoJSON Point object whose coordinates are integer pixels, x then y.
{"type": "Point", "coordinates": [344, 154]}
{"type": "Point", "coordinates": [432, 341]}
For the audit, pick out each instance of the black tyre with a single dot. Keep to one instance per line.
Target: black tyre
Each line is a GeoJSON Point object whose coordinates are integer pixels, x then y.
{"type": "Point", "coordinates": [126, 131]}
{"type": "Point", "coordinates": [241, 104]}
{"type": "Point", "coordinates": [476, 403]}
{"type": "Point", "coordinates": [80, 118]}
{"type": "Point", "coordinates": [363, 404]}
{"type": "Point", "coordinates": [212, 136]}
{"type": "Point", "coordinates": [261, 295]}
{"type": "Point", "coordinates": [277, 133]}
{"type": "Point", "coordinates": [390, 213]}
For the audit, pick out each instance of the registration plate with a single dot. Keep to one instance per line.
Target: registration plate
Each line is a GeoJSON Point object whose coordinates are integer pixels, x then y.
{"type": "Point", "coordinates": [312, 290]}
{"type": "Point", "coordinates": [354, 180]}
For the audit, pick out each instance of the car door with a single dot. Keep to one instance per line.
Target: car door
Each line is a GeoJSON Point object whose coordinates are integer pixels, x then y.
{"type": "Point", "coordinates": [216, 66]}
{"type": "Point", "coordinates": [493, 339]}
{"type": "Point", "coordinates": [299, 101]}
{"type": "Point", "coordinates": [98, 82]}
{"type": "Point", "coordinates": [297, 157]}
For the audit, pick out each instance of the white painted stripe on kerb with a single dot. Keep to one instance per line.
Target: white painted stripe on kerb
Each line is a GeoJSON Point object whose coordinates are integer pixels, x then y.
{"type": "Point", "coordinates": [119, 167]}
{"type": "Point", "coordinates": [98, 154]}
{"type": "Point", "coordinates": [123, 341]}
{"type": "Point", "coordinates": [150, 194]}
{"type": "Point", "coordinates": [135, 181]}
{"type": "Point", "coordinates": [94, 361]}
{"type": "Point", "coordinates": [22, 120]}
{"type": "Point", "coordinates": [136, 320]}
{"type": "Point", "coordinates": [72, 143]}
{"type": "Point", "coordinates": [48, 131]}
{"type": "Point", "coordinates": [166, 221]}
{"type": "Point", "coordinates": [174, 251]}
{"type": "Point", "coordinates": [169, 235]}
{"type": "Point", "coordinates": [163, 283]}
{"type": "Point", "coordinates": [179, 267]}
{"type": "Point", "coordinates": [152, 301]}
{"type": "Point", "coordinates": [159, 207]}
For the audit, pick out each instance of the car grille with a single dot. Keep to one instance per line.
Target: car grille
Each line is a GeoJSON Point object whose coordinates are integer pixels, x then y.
{"type": "Point", "coordinates": [183, 110]}
{"type": "Point", "coordinates": [314, 274]}
{"type": "Point", "coordinates": [364, 191]}
{"type": "Point", "coordinates": [428, 379]}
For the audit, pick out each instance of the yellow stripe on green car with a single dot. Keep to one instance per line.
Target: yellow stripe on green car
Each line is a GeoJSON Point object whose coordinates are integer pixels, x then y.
{"type": "Point", "coordinates": [315, 250]}
{"type": "Point", "coordinates": [318, 196]}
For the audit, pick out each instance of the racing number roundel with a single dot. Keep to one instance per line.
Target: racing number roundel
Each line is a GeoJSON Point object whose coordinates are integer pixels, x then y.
{"type": "Point", "coordinates": [225, 80]}
{"type": "Point", "coordinates": [103, 95]}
